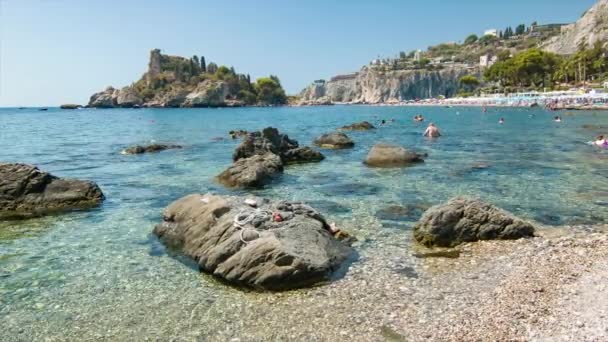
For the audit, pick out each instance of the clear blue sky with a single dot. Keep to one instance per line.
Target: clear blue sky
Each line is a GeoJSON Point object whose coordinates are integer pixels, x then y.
{"type": "Point", "coordinates": [61, 51]}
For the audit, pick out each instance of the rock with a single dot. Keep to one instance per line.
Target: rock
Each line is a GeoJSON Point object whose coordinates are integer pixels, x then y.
{"type": "Point", "coordinates": [152, 148]}
{"type": "Point", "coordinates": [70, 106]}
{"type": "Point", "coordinates": [373, 85]}
{"type": "Point", "coordinates": [298, 251]}
{"type": "Point", "coordinates": [252, 172]}
{"type": "Point", "coordinates": [400, 213]}
{"type": "Point", "coordinates": [207, 94]}
{"type": "Point", "coordinates": [270, 140]}
{"type": "Point", "coordinates": [359, 126]}
{"type": "Point", "coordinates": [385, 155]}
{"type": "Point", "coordinates": [238, 134]}
{"type": "Point", "coordinates": [302, 155]}
{"type": "Point", "coordinates": [334, 141]}
{"type": "Point", "coordinates": [128, 98]}
{"type": "Point", "coordinates": [463, 220]}
{"type": "Point", "coordinates": [104, 99]}
{"type": "Point", "coordinates": [26, 191]}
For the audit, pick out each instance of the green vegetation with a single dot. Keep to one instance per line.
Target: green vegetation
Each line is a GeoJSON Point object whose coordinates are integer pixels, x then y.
{"type": "Point", "coordinates": [535, 68]}
{"type": "Point", "coordinates": [471, 39]}
{"type": "Point", "coordinates": [178, 74]}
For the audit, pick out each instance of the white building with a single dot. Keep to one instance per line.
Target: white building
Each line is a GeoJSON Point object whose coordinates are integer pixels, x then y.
{"type": "Point", "coordinates": [491, 32]}
{"type": "Point", "coordinates": [418, 55]}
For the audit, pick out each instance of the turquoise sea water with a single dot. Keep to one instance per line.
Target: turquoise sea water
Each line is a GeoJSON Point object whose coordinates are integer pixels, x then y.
{"type": "Point", "coordinates": [100, 270]}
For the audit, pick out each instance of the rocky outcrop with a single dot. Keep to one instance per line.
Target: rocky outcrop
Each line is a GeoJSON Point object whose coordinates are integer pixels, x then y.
{"type": "Point", "coordinates": [466, 220]}
{"type": "Point", "coordinates": [128, 97]}
{"type": "Point", "coordinates": [592, 27]}
{"type": "Point", "coordinates": [252, 172]}
{"type": "Point", "coordinates": [207, 94]}
{"type": "Point", "coordinates": [238, 134]}
{"type": "Point", "coordinates": [373, 86]}
{"type": "Point", "coordinates": [25, 191]}
{"type": "Point", "coordinates": [104, 99]}
{"type": "Point", "coordinates": [174, 81]}
{"type": "Point", "coordinates": [359, 126]}
{"type": "Point", "coordinates": [334, 141]}
{"type": "Point", "coordinates": [151, 148]}
{"type": "Point", "coordinates": [70, 106]}
{"type": "Point", "coordinates": [266, 245]}
{"type": "Point", "coordinates": [386, 155]}
{"type": "Point", "coordinates": [256, 158]}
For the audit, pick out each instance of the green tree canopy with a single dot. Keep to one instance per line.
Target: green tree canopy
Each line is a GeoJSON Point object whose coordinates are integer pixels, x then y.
{"type": "Point", "coordinates": [471, 39]}
{"type": "Point", "coordinates": [269, 91]}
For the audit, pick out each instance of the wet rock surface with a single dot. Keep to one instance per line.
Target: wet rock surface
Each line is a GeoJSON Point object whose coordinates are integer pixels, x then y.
{"type": "Point", "coordinates": [26, 191]}
{"type": "Point", "coordinates": [256, 171]}
{"type": "Point", "coordinates": [334, 141]}
{"type": "Point", "coordinates": [249, 246]}
{"type": "Point", "coordinates": [359, 126]}
{"type": "Point", "coordinates": [252, 172]}
{"type": "Point", "coordinates": [151, 148]}
{"type": "Point", "coordinates": [388, 155]}
{"type": "Point", "coordinates": [463, 220]}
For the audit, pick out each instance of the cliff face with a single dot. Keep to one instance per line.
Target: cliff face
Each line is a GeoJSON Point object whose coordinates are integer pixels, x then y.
{"type": "Point", "coordinates": [372, 86]}
{"type": "Point", "coordinates": [589, 29]}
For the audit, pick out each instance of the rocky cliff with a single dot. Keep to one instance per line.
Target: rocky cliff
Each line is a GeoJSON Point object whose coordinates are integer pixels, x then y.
{"type": "Point", "coordinates": [173, 81]}
{"type": "Point", "coordinates": [589, 29]}
{"type": "Point", "coordinates": [374, 86]}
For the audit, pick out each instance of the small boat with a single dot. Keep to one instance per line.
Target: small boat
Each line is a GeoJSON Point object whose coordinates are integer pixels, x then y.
{"type": "Point", "coordinates": [43, 109]}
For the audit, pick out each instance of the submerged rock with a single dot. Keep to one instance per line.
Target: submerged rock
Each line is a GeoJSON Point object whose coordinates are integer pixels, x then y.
{"type": "Point", "coordinates": [359, 126]}
{"type": "Point", "coordinates": [252, 172]}
{"type": "Point", "coordinates": [386, 155]}
{"type": "Point", "coordinates": [334, 141]}
{"type": "Point", "coordinates": [152, 148]}
{"type": "Point", "coordinates": [400, 213]}
{"type": "Point", "coordinates": [302, 155]}
{"type": "Point", "coordinates": [260, 252]}
{"type": "Point", "coordinates": [26, 191]}
{"type": "Point", "coordinates": [463, 220]}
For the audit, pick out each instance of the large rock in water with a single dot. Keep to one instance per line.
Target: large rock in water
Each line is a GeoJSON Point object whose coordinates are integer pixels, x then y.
{"type": "Point", "coordinates": [152, 148]}
{"type": "Point", "coordinates": [128, 97]}
{"type": "Point", "coordinates": [25, 191]}
{"type": "Point", "coordinates": [334, 141]}
{"type": "Point", "coordinates": [466, 220]}
{"type": "Point", "coordinates": [269, 140]}
{"type": "Point", "coordinates": [302, 155]}
{"type": "Point", "coordinates": [104, 99]}
{"type": "Point", "coordinates": [386, 155]}
{"type": "Point", "coordinates": [264, 254]}
{"type": "Point", "coordinates": [359, 126]}
{"type": "Point", "coordinates": [252, 172]}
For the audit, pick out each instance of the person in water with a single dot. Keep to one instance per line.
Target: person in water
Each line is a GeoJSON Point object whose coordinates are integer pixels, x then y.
{"type": "Point", "coordinates": [383, 122]}
{"type": "Point", "coordinates": [557, 119]}
{"type": "Point", "coordinates": [501, 121]}
{"type": "Point", "coordinates": [418, 118]}
{"type": "Point", "coordinates": [601, 141]}
{"type": "Point", "coordinates": [432, 131]}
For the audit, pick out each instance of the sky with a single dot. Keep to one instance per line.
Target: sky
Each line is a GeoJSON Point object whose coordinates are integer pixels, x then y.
{"type": "Point", "coordinates": [62, 51]}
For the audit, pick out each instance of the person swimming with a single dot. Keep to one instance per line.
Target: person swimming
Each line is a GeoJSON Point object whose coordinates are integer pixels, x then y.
{"type": "Point", "coordinates": [557, 119]}
{"type": "Point", "coordinates": [501, 121]}
{"type": "Point", "coordinates": [600, 141]}
{"type": "Point", "coordinates": [383, 122]}
{"type": "Point", "coordinates": [418, 118]}
{"type": "Point", "coordinates": [432, 131]}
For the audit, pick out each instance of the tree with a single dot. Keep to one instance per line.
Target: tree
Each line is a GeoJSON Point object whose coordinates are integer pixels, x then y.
{"type": "Point", "coordinates": [402, 55]}
{"type": "Point", "coordinates": [196, 61]}
{"type": "Point", "coordinates": [203, 65]}
{"type": "Point", "coordinates": [471, 39]}
{"type": "Point", "coordinates": [212, 68]}
{"type": "Point", "coordinates": [469, 82]}
{"type": "Point", "coordinates": [520, 29]}
{"type": "Point", "coordinates": [487, 40]}
{"type": "Point", "coordinates": [269, 91]}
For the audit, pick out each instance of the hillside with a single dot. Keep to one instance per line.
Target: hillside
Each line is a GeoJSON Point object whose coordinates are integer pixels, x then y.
{"type": "Point", "coordinates": [173, 81]}
{"type": "Point", "coordinates": [437, 70]}
{"type": "Point", "coordinates": [592, 27]}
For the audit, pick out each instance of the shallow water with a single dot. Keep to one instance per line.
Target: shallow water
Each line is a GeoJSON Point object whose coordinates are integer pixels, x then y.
{"type": "Point", "coordinates": [101, 273]}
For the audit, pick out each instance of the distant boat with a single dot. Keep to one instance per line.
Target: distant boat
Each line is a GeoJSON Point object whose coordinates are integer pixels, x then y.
{"type": "Point", "coordinates": [43, 109]}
